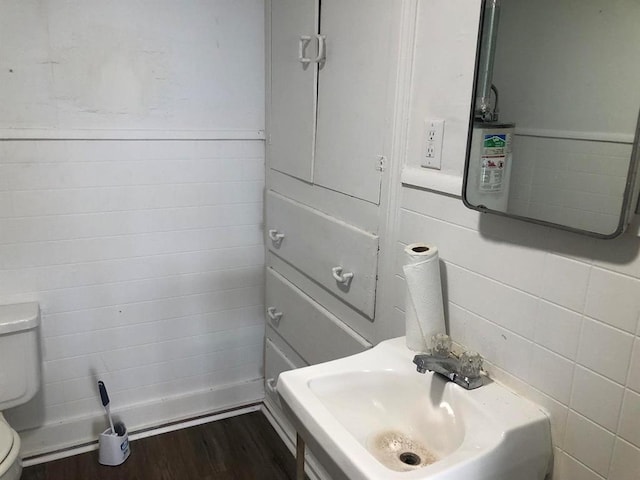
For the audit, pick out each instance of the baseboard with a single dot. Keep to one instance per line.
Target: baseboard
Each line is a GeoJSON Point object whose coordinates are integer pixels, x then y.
{"type": "Point", "coordinates": [79, 435]}
{"type": "Point", "coordinates": [195, 409]}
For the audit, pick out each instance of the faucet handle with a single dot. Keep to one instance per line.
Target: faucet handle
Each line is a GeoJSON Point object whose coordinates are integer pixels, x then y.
{"type": "Point", "coordinates": [441, 343]}
{"type": "Point", "coordinates": [470, 364]}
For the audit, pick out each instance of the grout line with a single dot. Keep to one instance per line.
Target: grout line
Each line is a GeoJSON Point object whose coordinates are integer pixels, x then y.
{"type": "Point", "coordinates": [138, 345]}
{"type": "Point", "coordinates": [95, 352]}
{"type": "Point", "coordinates": [96, 213]}
{"type": "Point", "coordinates": [159, 320]}
{"type": "Point", "coordinates": [183, 158]}
{"type": "Point", "coordinates": [126, 259]}
{"type": "Point", "coordinates": [99, 352]}
{"type": "Point", "coordinates": [125, 392]}
{"type": "Point", "coordinates": [132, 234]}
{"type": "Point", "coordinates": [235, 366]}
{"type": "Point", "coordinates": [191, 317]}
{"type": "Point", "coordinates": [575, 361]}
{"type": "Point", "coordinates": [130, 186]}
{"type": "Point", "coordinates": [237, 269]}
{"type": "Point", "coordinates": [258, 283]}
{"type": "Point", "coordinates": [582, 464]}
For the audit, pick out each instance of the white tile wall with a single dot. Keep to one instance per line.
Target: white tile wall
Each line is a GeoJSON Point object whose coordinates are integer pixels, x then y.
{"type": "Point", "coordinates": [588, 443]}
{"type": "Point", "coordinates": [634, 373]}
{"type": "Point", "coordinates": [555, 315]}
{"type": "Point", "coordinates": [596, 398]}
{"type": "Point", "coordinates": [605, 349]}
{"type": "Point", "coordinates": [147, 259]}
{"type": "Point", "coordinates": [630, 418]}
{"type": "Point", "coordinates": [626, 462]}
{"type": "Point", "coordinates": [568, 467]}
{"type": "Point", "coordinates": [573, 182]}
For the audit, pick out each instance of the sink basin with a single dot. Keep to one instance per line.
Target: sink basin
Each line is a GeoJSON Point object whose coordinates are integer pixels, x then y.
{"type": "Point", "coordinates": [372, 416]}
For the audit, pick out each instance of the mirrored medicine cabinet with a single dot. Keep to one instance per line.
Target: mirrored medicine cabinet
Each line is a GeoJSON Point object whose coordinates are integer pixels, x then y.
{"type": "Point", "coordinates": [553, 136]}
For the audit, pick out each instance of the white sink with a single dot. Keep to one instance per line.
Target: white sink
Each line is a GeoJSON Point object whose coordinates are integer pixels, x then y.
{"type": "Point", "coordinates": [360, 414]}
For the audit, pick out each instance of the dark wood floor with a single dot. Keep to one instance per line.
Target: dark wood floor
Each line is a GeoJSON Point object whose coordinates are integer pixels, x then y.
{"type": "Point", "coordinates": [243, 447]}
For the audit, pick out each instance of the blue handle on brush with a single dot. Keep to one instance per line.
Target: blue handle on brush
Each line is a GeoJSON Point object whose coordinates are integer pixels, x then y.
{"type": "Point", "coordinates": [103, 393]}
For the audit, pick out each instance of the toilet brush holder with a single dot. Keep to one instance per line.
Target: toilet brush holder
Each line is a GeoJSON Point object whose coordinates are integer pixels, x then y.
{"type": "Point", "coordinates": [113, 448]}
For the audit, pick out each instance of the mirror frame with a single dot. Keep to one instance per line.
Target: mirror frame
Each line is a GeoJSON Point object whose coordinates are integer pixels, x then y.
{"type": "Point", "coordinates": [630, 201]}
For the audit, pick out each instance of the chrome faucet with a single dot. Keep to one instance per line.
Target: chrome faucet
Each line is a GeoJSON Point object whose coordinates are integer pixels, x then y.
{"type": "Point", "coordinates": [463, 370]}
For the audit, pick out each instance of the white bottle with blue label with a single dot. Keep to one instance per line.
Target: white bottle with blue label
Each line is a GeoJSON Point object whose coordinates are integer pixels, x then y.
{"type": "Point", "coordinates": [490, 165]}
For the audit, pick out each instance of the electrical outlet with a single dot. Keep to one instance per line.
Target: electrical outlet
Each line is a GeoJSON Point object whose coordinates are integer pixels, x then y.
{"type": "Point", "coordinates": [433, 136]}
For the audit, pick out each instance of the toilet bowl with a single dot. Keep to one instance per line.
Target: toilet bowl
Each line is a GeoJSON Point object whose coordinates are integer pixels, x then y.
{"type": "Point", "coordinates": [19, 376]}
{"type": "Point", "coordinates": [10, 463]}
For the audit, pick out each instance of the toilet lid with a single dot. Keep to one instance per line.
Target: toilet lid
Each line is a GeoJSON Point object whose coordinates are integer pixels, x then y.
{"type": "Point", "coordinates": [6, 441]}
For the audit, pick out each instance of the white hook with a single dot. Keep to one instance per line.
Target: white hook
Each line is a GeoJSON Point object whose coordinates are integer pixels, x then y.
{"type": "Point", "coordinates": [340, 277]}
{"type": "Point", "coordinates": [274, 315]}
{"type": "Point", "coordinates": [302, 45]}
{"type": "Point", "coordinates": [271, 385]}
{"type": "Point", "coordinates": [275, 236]}
{"type": "Point", "coordinates": [322, 54]}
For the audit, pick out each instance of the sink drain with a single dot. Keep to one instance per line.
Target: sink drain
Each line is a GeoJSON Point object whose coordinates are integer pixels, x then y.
{"type": "Point", "coordinates": [400, 452]}
{"type": "Point", "coordinates": [410, 458]}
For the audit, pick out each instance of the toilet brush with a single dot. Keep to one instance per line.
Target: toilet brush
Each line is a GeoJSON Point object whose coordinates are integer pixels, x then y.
{"type": "Point", "coordinates": [118, 428]}
{"type": "Point", "coordinates": [113, 442]}
{"type": "Point", "coordinates": [105, 403]}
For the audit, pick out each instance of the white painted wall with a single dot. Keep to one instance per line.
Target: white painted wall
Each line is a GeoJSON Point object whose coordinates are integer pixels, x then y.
{"type": "Point", "coordinates": [149, 65]}
{"type": "Point", "coordinates": [146, 255]}
{"type": "Point", "coordinates": [555, 314]}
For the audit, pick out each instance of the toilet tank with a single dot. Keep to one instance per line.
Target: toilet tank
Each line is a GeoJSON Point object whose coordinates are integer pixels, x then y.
{"type": "Point", "coordinates": [19, 353]}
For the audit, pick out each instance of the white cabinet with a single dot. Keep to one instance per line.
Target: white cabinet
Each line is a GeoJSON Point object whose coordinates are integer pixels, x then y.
{"type": "Point", "coordinates": [293, 87]}
{"type": "Point", "coordinates": [332, 75]}
{"type": "Point", "coordinates": [328, 116]}
{"type": "Point", "coordinates": [353, 93]}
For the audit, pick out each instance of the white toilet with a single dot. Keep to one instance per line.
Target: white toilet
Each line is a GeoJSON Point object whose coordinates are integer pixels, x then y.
{"type": "Point", "coordinates": [19, 375]}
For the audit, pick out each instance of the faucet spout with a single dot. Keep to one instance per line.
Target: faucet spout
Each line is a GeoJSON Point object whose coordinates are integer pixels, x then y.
{"type": "Point", "coordinates": [453, 368]}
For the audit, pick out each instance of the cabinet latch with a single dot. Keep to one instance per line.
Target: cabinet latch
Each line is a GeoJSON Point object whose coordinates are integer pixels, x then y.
{"type": "Point", "coordinates": [381, 163]}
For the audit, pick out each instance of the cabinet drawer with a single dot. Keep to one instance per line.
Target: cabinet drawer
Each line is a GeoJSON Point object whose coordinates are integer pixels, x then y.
{"type": "Point", "coordinates": [275, 362]}
{"type": "Point", "coordinates": [338, 256]}
{"type": "Point", "coordinates": [314, 333]}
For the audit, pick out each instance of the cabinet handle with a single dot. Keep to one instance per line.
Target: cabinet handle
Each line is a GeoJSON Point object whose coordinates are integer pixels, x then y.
{"type": "Point", "coordinates": [322, 51]}
{"type": "Point", "coordinates": [274, 315]}
{"type": "Point", "coordinates": [340, 277]}
{"type": "Point", "coordinates": [302, 46]}
{"type": "Point", "coordinates": [275, 236]}
{"type": "Point", "coordinates": [271, 385]}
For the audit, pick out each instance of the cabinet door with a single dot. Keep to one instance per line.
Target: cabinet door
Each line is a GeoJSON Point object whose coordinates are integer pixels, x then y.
{"type": "Point", "coordinates": [316, 335]}
{"type": "Point", "coordinates": [293, 87]}
{"type": "Point", "coordinates": [353, 92]}
{"type": "Point", "coordinates": [317, 245]}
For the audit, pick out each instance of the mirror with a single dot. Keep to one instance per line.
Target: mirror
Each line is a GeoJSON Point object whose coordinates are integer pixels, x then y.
{"type": "Point", "coordinates": [556, 101]}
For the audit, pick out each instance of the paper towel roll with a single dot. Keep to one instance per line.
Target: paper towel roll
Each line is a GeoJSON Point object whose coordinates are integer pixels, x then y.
{"type": "Point", "coordinates": [424, 311]}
